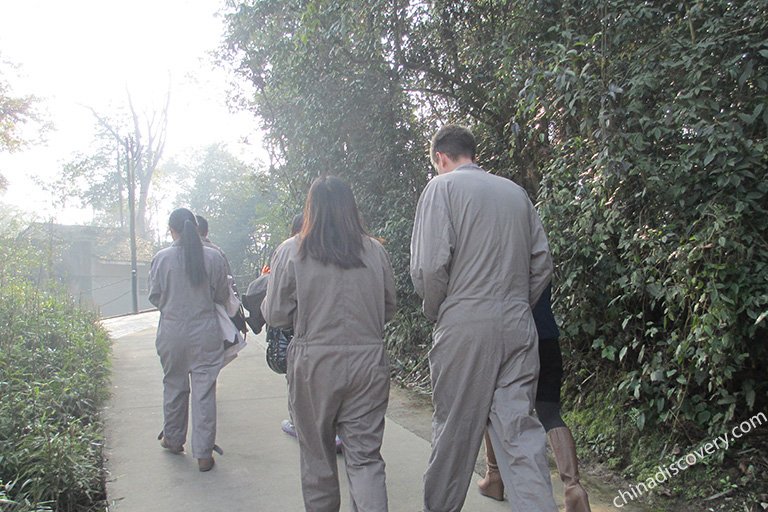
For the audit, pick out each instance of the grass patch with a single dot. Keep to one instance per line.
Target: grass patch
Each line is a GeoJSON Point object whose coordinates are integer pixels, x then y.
{"type": "Point", "coordinates": [727, 480]}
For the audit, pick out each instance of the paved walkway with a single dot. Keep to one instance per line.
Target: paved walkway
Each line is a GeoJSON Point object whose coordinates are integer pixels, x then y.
{"type": "Point", "coordinates": [259, 468]}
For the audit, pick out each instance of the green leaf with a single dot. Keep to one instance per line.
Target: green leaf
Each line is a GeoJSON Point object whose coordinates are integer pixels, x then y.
{"type": "Point", "coordinates": [640, 421]}
{"type": "Point", "coordinates": [749, 395]}
{"type": "Point", "coordinates": [622, 353]}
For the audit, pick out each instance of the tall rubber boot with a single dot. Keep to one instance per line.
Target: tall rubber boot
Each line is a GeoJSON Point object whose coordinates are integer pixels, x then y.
{"type": "Point", "coordinates": [561, 441]}
{"type": "Point", "coordinates": [491, 485]}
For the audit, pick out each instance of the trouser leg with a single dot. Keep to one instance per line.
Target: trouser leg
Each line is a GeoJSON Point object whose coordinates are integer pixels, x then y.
{"type": "Point", "coordinates": [204, 410]}
{"type": "Point", "coordinates": [361, 428]}
{"type": "Point", "coordinates": [314, 404]}
{"type": "Point", "coordinates": [462, 388]}
{"type": "Point", "coordinates": [319, 472]}
{"type": "Point", "coordinates": [290, 407]}
{"type": "Point", "coordinates": [175, 397]}
{"type": "Point", "coordinates": [518, 438]}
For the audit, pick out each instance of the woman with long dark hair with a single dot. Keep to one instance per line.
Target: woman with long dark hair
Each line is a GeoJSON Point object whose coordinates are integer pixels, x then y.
{"type": "Point", "coordinates": [185, 281]}
{"type": "Point", "coordinates": [334, 284]}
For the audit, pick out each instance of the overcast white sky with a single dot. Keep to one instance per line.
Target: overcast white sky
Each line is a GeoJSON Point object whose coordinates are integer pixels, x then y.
{"type": "Point", "coordinates": [87, 52]}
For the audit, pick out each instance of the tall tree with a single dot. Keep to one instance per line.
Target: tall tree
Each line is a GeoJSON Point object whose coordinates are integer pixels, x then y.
{"type": "Point", "coordinates": [96, 179]}
{"type": "Point", "coordinates": [241, 204]}
{"type": "Point", "coordinates": [330, 104]}
{"type": "Point", "coordinates": [144, 142]}
{"type": "Point", "coordinates": [15, 113]}
{"type": "Point", "coordinates": [123, 147]}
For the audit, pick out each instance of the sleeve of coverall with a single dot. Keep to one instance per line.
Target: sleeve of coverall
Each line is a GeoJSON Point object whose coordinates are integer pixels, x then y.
{"type": "Point", "coordinates": [390, 294]}
{"type": "Point", "coordinates": [541, 260]}
{"type": "Point", "coordinates": [219, 278]}
{"type": "Point", "coordinates": [432, 245]}
{"type": "Point", "coordinates": [155, 288]}
{"type": "Point", "coordinates": [280, 303]}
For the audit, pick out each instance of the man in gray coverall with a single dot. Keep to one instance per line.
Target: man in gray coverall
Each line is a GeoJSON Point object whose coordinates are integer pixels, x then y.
{"type": "Point", "coordinates": [480, 260]}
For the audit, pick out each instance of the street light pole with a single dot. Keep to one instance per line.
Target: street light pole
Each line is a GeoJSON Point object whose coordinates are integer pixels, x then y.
{"type": "Point", "coordinates": [129, 163]}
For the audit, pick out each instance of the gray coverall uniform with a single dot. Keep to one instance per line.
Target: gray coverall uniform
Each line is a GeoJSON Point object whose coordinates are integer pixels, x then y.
{"type": "Point", "coordinates": [338, 370]}
{"type": "Point", "coordinates": [189, 343]}
{"type": "Point", "coordinates": [479, 259]}
{"type": "Point", "coordinates": [208, 243]}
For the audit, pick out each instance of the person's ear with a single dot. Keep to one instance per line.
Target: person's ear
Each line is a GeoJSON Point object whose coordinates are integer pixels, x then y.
{"type": "Point", "coordinates": [439, 159]}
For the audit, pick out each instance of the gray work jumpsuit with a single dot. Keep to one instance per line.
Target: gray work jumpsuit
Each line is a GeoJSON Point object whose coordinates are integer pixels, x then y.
{"type": "Point", "coordinates": [479, 259]}
{"type": "Point", "coordinates": [189, 343]}
{"type": "Point", "coordinates": [338, 370]}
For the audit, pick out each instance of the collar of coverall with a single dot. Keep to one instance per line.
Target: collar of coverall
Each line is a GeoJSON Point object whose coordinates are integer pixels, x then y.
{"type": "Point", "coordinates": [469, 167]}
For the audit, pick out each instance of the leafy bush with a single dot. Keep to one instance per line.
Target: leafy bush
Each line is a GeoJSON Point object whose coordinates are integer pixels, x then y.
{"type": "Point", "coordinates": [53, 378]}
{"type": "Point", "coordinates": [656, 199]}
{"type": "Point", "coordinates": [640, 127]}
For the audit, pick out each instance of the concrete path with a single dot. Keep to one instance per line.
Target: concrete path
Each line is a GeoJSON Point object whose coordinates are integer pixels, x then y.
{"type": "Point", "coordinates": [259, 470]}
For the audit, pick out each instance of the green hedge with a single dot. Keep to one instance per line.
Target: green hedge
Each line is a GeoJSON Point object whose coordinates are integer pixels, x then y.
{"type": "Point", "coordinates": [655, 199]}
{"type": "Point", "coordinates": [54, 367]}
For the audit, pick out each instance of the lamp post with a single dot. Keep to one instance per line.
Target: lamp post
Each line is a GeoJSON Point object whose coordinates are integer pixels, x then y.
{"type": "Point", "coordinates": [129, 164]}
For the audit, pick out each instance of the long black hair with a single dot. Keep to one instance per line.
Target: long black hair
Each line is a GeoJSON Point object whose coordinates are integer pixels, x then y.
{"type": "Point", "coordinates": [332, 231]}
{"type": "Point", "coordinates": [183, 222]}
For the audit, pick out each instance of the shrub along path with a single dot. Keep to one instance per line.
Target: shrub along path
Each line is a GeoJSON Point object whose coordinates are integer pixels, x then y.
{"type": "Point", "coordinates": [259, 468]}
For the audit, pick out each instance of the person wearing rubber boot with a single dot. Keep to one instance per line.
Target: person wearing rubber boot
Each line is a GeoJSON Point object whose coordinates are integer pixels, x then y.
{"type": "Point", "coordinates": [479, 259]}
{"type": "Point", "coordinates": [548, 410]}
